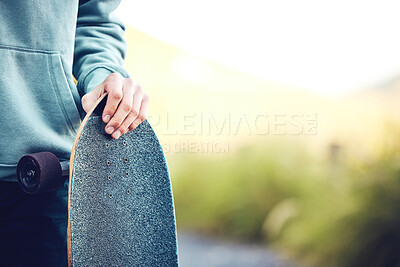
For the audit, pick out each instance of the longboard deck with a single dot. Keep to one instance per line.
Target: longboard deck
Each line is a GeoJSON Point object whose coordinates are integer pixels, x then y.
{"type": "Point", "coordinates": [120, 200]}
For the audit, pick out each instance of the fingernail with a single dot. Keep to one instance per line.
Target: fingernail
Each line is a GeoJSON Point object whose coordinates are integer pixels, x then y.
{"type": "Point", "coordinates": [117, 134]}
{"type": "Point", "coordinates": [109, 130]}
{"type": "Point", "coordinates": [106, 118]}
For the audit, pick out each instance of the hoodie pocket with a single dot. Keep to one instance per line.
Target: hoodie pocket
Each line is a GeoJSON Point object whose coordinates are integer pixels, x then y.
{"type": "Point", "coordinates": [67, 95]}
{"type": "Point", "coordinates": [37, 107]}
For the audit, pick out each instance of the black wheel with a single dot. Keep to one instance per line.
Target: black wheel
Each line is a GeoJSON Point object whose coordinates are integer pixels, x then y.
{"type": "Point", "coordinates": [39, 173]}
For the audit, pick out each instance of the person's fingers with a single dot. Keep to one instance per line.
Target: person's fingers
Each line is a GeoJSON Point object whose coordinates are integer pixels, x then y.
{"type": "Point", "coordinates": [137, 100]}
{"type": "Point", "coordinates": [142, 113]}
{"type": "Point", "coordinates": [125, 125]}
{"type": "Point", "coordinates": [124, 109]}
{"type": "Point", "coordinates": [112, 85]}
{"type": "Point", "coordinates": [126, 105]}
{"type": "Point", "coordinates": [136, 103]}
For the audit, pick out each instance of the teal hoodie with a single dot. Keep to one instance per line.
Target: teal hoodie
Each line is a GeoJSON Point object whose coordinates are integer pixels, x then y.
{"type": "Point", "coordinates": [43, 44]}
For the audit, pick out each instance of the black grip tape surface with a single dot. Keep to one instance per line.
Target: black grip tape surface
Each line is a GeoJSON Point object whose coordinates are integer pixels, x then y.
{"type": "Point", "coordinates": [121, 209]}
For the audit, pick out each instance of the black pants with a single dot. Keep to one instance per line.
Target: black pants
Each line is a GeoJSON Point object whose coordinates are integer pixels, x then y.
{"type": "Point", "coordinates": [33, 228]}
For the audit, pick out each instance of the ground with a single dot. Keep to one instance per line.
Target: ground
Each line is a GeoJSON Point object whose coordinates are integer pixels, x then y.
{"type": "Point", "coordinates": [196, 250]}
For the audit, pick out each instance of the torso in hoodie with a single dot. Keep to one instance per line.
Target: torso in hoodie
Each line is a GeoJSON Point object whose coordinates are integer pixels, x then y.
{"type": "Point", "coordinates": [39, 103]}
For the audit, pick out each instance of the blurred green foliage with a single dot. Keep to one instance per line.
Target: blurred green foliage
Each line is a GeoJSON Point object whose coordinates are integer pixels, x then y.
{"type": "Point", "coordinates": [324, 211]}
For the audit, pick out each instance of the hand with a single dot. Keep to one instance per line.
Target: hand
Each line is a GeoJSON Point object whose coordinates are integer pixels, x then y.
{"type": "Point", "coordinates": [126, 105]}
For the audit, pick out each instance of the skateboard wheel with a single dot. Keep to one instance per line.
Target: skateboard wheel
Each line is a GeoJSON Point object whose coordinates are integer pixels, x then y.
{"type": "Point", "coordinates": [39, 173]}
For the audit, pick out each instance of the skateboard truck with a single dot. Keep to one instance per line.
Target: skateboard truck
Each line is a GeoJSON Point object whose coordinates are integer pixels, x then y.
{"type": "Point", "coordinates": [41, 172]}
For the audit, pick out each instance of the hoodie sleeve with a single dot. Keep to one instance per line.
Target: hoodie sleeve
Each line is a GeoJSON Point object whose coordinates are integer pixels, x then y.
{"type": "Point", "coordinates": [99, 44]}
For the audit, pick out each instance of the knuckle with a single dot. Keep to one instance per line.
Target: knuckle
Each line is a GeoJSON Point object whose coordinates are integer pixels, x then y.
{"type": "Point", "coordinates": [130, 82]}
{"type": "Point", "coordinates": [109, 110]}
{"type": "Point", "coordinates": [139, 87]}
{"type": "Point", "coordinates": [123, 129]}
{"type": "Point", "coordinates": [114, 75]}
{"type": "Point", "coordinates": [106, 83]}
{"type": "Point", "coordinates": [134, 112]}
{"type": "Point", "coordinates": [126, 107]}
{"type": "Point", "coordinates": [116, 95]}
{"type": "Point", "coordinates": [146, 95]}
{"type": "Point", "coordinates": [116, 123]}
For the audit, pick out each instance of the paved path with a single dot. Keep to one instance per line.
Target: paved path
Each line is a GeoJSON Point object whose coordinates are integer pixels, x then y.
{"type": "Point", "coordinates": [201, 251]}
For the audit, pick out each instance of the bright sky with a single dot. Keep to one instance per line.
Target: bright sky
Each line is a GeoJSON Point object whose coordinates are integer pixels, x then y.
{"type": "Point", "coordinates": [331, 47]}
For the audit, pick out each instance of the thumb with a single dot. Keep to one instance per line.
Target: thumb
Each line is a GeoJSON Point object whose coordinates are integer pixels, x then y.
{"type": "Point", "coordinates": [90, 99]}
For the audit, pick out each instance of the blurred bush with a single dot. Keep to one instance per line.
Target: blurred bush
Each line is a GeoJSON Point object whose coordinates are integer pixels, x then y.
{"type": "Point", "coordinates": [323, 211]}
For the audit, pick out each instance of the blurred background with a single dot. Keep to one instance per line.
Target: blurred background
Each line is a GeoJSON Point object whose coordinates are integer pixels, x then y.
{"type": "Point", "coordinates": [280, 124]}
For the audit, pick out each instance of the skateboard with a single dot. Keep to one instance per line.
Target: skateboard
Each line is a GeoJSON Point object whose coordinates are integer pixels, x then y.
{"type": "Point", "coordinates": [120, 205]}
